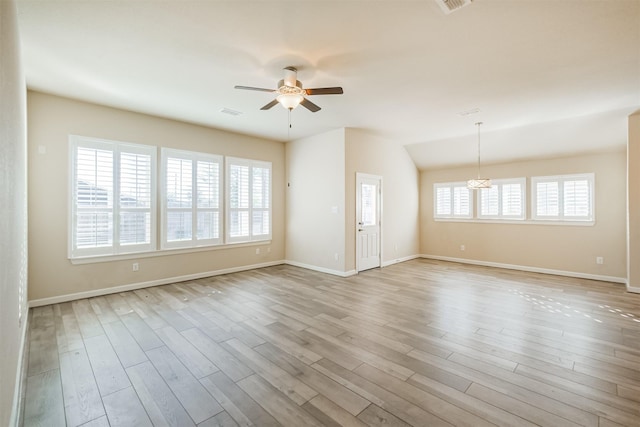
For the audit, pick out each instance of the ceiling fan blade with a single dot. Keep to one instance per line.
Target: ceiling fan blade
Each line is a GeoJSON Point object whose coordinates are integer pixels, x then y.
{"type": "Point", "coordinates": [309, 105]}
{"type": "Point", "coordinates": [269, 105]}
{"type": "Point", "coordinates": [259, 89]}
{"type": "Point", "coordinates": [325, 91]}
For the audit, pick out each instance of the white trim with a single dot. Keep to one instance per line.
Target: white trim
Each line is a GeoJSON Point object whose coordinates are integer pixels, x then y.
{"type": "Point", "coordinates": [519, 221]}
{"type": "Point", "coordinates": [321, 269]}
{"type": "Point", "coordinates": [399, 260]}
{"type": "Point", "coordinates": [165, 252]}
{"type": "Point", "coordinates": [140, 285]}
{"type": "Point", "coordinates": [16, 407]}
{"type": "Point", "coordinates": [634, 289]}
{"type": "Point", "coordinates": [576, 274]}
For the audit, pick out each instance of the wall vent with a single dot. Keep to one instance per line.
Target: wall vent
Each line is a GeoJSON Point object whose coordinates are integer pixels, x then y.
{"type": "Point", "coordinates": [449, 6]}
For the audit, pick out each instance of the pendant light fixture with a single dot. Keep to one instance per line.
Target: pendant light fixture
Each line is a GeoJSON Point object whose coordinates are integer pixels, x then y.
{"type": "Point", "coordinates": [477, 183]}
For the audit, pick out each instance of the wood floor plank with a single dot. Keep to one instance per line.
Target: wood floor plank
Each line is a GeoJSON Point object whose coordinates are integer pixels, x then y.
{"type": "Point", "coordinates": [107, 370]}
{"type": "Point", "coordinates": [199, 404]}
{"type": "Point", "coordinates": [44, 395]}
{"type": "Point", "coordinates": [89, 324]}
{"type": "Point", "coordinates": [278, 405]}
{"type": "Point", "coordinates": [160, 403]}
{"type": "Point", "coordinates": [79, 389]}
{"type": "Point", "coordinates": [342, 396]}
{"type": "Point", "coordinates": [67, 329]}
{"type": "Point", "coordinates": [222, 419]}
{"type": "Point", "coordinates": [240, 406]}
{"type": "Point", "coordinates": [141, 332]}
{"type": "Point", "coordinates": [125, 410]}
{"type": "Point", "coordinates": [291, 387]}
{"type": "Point", "coordinates": [220, 357]}
{"type": "Point", "coordinates": [188, 355]}
{"type": "Point", "coordinates": [43, 346]}
{"type": "Point", "coordinates": [125, 346]}
{"type": "Point", "coordinates": [376, 416]}
{"type": "Point", "coordinates": [328, 412]}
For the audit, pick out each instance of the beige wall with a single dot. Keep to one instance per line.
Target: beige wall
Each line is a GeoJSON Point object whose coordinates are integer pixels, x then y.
{"type": "Point", "coordinates": [366, 153]}
{"type": "Point", "coordinates": [316, 201]}
{"type": "Point", "coordinates": [633, 176]}
{"type": "Point", "coordinates": [51, 120]}
{"type": "Point", "coordinates": [13, 211]}
{"type": "Point", "coordinates": [554, 247]}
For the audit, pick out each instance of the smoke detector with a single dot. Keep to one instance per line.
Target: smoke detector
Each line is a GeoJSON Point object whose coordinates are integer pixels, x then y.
{"type": "Point", "coordinates": [449, 6]}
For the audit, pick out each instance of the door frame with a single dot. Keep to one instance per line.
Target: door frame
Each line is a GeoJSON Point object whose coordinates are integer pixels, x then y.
{"type": "Point", "coordinates": [359, 176]}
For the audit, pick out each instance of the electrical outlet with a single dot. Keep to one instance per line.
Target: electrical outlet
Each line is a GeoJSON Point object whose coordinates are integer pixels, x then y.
{"type": "Point", "coordinates": [335, 256]}
{"type": "Point", "coordinates": [257, 251]}
{"type": "Point", "coordinates": [463, 247]}
{"type": "Point", "coordinates": [268, 249]}
{"type": "Point", "coordinates": [599, 260]}
{"type": "Point", "coordinates": [135, 266]}
{"type": "Point", "coordinates": [395, 248]}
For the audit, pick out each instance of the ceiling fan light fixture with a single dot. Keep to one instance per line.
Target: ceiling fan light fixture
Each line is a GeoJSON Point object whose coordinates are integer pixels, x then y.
{"type": "Point", "coordinates": [289, 100]}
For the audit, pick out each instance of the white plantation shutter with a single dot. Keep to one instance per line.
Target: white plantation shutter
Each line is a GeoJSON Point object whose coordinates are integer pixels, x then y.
{"type": "Point", "coordinates": [452, 200]}
{"type": "Point", "coordinates": [190, 199]}
{"type": "Point", "coordinates": [248, 200]}
{"type": "Point", "coordinates": [504, 200]}
{"type": "Point", "coordinates": [564, 197]}
{"type": "Point", "coordinates": [112, 197]}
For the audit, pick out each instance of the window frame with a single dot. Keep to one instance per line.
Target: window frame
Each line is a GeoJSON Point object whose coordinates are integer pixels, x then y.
{"type": "Point", "coordinates": [498, 184]}
{"type": "Point", "coordinates": [452, 186]}
{"type": "Point", "coordinates": [194, 157]}
{"type": "Point", "coordinates": [251, 164]}
{"type": "Point", "coordinates": [116, 247]}
{"type": "Point", "coordinates": [561, 217]}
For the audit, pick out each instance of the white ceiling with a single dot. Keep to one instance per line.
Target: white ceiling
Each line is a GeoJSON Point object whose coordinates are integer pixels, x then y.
{"type": "Point", "coordinates": [550, 77]}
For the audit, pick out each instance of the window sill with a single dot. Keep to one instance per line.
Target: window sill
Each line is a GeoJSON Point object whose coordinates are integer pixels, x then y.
{"type": "Point", "coordinates": [519, 222]}
{"type": "Point", "coordinates": [163, 252]}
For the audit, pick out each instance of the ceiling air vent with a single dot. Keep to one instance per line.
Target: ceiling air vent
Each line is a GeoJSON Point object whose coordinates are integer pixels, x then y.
{"type": "Point", "coordinates": [449, 6]}
{"type": "Point", "coordinates": [230, 112]}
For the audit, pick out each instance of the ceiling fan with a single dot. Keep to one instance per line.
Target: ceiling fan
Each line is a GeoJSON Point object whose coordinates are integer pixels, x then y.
{"type": "Point", "coordinates": [290, 93]}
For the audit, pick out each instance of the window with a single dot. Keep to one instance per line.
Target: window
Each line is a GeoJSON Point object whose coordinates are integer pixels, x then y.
{"type": "Point", "coordinates": [563, 198]}
{"type": "Point", "coordinates": [191, 199]}
{"type": "Point", "coordinates": [452, 200]}
{"type": "Point", "coordinates": [504, 200]}
{"type": "Point", "coordinates": [113, 197]}
{"type": "Point", "coordinates": [248, 184]}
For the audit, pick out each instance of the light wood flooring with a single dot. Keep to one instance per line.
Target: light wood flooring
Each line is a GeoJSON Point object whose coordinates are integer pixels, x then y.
{"type": "Point", "coordinates": [421, 343]}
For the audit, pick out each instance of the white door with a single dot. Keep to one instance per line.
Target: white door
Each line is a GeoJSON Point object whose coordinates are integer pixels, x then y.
{"type": "Point", "coordinates": [368, 221]}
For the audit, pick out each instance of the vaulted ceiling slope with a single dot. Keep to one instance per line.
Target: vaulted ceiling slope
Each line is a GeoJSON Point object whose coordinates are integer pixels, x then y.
{"type": "Point", "coordinates": [548, 76]}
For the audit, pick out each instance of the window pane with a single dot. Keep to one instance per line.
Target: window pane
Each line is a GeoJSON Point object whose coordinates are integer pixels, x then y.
{"type": "Point", "coordinates": [239, 224]}
{"type": "Point", "coordinates": [135, 180]}
{"type": "Point", "coordinates": [260, 188]}
{"type": "Point", "coordinates": [208, 176]}
{"type": "Point", "coordinates": [239, 186]}
{"type": "Point", "coordinates": [94, 230]}
{"type": "Point", "coordinates": [489, 201]}
{"type": "Point", "coordinates": [576, 198]}
{"type": "Point", "coordinates": [178, 226]}
{"type": "Point", "coordinates": [547, 199]}
{"type": "Point", "coordinates": [461, 202]}
{"type": "Point", "coordinates": [260, 223]}
{"type": "Point", "coordinates": [208, 225]}
{"type": "Point", "coordinates": [511, 199]}
{"type": "Point", "coordinates": [94, 177]}
{"type": "Point", "coordinates": [135, 228]}
{"type": "Point", "coordinates": [443, 201]}
{"type": "Point", "coordinates": [369, 204]}
{"type": "Point", "coordinates": [179, 181]}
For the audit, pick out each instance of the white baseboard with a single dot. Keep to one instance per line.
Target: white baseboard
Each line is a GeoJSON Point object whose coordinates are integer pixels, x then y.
{"type": "Point", "coordinates": [140, 285]}
{"type": "Point", "coordinates": [17, 392]}
{"type": "Point", "coordinates": [321, 269]}
{"type": "Point", "coordinates": [613, 279]}
{"type": "Point", "coordinates": [634, 289]}
{"type": "Point", "coordinates": [398, 260]}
